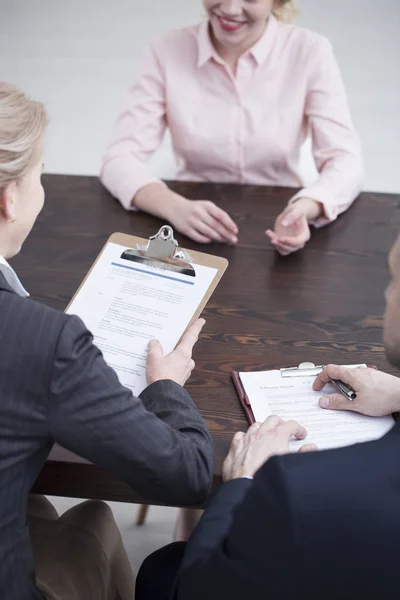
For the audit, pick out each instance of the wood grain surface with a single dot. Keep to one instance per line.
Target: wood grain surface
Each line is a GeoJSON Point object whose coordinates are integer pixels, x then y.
{"type": "Point", "coordinates": [323, 304]}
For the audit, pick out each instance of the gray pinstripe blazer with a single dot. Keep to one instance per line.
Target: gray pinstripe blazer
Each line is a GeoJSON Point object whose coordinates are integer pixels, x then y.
{"type": "Point", "coordinates": [56, 387]}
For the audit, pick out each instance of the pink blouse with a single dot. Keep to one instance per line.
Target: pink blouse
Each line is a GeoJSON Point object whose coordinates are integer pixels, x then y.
{"type": "Point", "coordinates": [246, 129]}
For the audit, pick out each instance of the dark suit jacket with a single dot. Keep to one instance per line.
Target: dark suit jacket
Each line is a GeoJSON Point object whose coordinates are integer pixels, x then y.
{"type": "Point", "coordinates": [56, 387]}
{"type": "Point", "coordinates": [319, 526]}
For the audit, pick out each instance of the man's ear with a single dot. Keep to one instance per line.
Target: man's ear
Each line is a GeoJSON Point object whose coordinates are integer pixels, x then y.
{"type": "Point", "coordinates": [8, 204]}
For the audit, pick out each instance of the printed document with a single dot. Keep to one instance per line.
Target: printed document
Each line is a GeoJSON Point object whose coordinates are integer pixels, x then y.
{"type": "Point", "coordinates": [125, 305]}
{"type": "Point", "coordinates": [293, 398]}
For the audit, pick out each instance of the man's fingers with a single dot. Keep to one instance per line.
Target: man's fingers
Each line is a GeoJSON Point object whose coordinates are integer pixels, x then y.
{"type": "Point", "coordinates": [332, 372]}
{"type": "Point", "coordinates": [239, 435]}
{"type": "Point", "coordinates": [190, 337]}
{"type": "Point", "coordinates": [308, 448]}
{"type": "Point", "coordinates": [254, 427]}
{"type": "Point", "coordinates": [271, 422]}
{"type": "Point", "coordinates": [336, 402]}
{"type": "Point", "coordinates": [237, 440]}
{"type": "Point", "coordinates": [294, 429]}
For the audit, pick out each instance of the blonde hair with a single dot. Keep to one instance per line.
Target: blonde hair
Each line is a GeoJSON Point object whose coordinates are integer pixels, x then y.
{"type": "Point", "coordinates": [22, 126]}
{"type": "Point", "coordinates": [285, 10]}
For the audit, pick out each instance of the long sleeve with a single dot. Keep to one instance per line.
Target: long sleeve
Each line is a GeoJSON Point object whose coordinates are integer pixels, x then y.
{"type": "Point", "coordinates": [216, 522]}
{"type": "Point", "coordinates": [158, 443]}
{"type": "Point", "coordinates": [137, 134]}
{"type": "Point", "coordinates": [336, 146]}
{"type": "Point", "coordinates": [249, 557]}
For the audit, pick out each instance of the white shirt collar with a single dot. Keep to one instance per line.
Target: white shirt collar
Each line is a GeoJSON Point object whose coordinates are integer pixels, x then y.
{"type": "Point", "coordinates": [12, 278]}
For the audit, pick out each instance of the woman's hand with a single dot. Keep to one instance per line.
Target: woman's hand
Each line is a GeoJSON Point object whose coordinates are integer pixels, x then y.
{"type": "Point", "coordinates": [378, 394]}
{"type": "Point", "coordinates": [203, 222]}
{"type": "Point", "coordinates": [292, 231]}
{"type": "Point", "coordinates": [200, 220]}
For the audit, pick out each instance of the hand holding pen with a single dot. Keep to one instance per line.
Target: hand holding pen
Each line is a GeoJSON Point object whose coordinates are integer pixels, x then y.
{"type": "Point", "coordinates": [364, 390]}
{"type": "Point", "coordinates": [344, 389]}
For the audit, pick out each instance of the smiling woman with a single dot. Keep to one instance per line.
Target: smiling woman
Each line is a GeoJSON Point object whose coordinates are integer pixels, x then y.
{"type": "Point", "coordinates": [240, 93]}
{"type": "Point", "coordinates": [236, 25]}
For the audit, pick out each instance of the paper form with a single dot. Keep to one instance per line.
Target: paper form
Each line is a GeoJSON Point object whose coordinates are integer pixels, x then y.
{"type": "Point", "coordinates": [125, 304]}
{"type": "Point", "coordinates": [294, 399]}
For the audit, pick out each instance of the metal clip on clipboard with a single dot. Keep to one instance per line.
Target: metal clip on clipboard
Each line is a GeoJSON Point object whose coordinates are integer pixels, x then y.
{"type": "Point", "coordinates": [162, 252]}
{"type": "Point", "coordinates": [306, 369]}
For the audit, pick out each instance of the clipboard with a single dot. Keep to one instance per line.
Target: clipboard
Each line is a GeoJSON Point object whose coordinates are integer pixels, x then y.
{"type": "Point", "coordinates": [305, 369]}
{"type": "Point", "coordinates": [161, 251]}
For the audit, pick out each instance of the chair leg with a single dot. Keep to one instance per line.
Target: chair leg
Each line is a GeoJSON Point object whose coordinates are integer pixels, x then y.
{"type": "Point", "coordinates": [142, 514]}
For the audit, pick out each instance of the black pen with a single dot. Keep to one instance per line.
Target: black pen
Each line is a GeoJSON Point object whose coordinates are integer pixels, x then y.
{"type": "Point", "coordinates": [345, 389]}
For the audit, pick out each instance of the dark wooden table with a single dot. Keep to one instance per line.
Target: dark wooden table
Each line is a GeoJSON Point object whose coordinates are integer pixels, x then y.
{"type": "Point", "coordinates": [323, 304]}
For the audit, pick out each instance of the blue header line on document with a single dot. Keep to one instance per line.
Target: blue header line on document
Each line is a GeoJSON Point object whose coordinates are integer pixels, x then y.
{"type": "Point", "coordinates": [150, 273]}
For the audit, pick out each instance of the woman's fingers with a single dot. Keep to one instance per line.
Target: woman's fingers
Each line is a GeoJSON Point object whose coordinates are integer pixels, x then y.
{"type": "Point", "coordinates": [291, 242]}
{"type": "Point", "coordinates": [206, 230]}
{"type": "Point", "coordinates": [196, 236]}
{"type": "Point", "coordinates": [282, 247]}
{"type": "Point", "coordinates": [223, 218]}
{"type": "Point", "coordinates": [225, 234]}
{"type": "Point", "coordinates": [285, 250]}
{"type": "Point", "coordinates": [291, 216]}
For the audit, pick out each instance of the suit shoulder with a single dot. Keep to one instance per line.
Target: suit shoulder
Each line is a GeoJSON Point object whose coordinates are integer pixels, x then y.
{"type": "Point", "coordinates": [30, 319]}
{"type": "Point", "coordinates": [316, 472]}
{"type": "Point", "coordinates": [27, 307]}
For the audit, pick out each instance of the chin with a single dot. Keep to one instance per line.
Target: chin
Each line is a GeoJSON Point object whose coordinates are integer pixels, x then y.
{"type": "Point", "coordinates": [14, 252]}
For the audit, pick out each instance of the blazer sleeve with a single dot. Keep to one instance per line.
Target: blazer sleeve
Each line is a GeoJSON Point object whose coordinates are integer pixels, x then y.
{"type": "Point", "coordinates": [157, 443]}
{"type": "Point", "coordinates": [335, 143]}
{"type": "Point", "coordinates": [256, 557]}
{"type": "Point", "coordinates": [216, 522]}
{"type": "Point", "coordinates": [137, 134]}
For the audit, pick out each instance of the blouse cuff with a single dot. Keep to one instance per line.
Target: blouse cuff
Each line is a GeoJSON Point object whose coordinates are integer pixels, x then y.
{"type": "Point", "coordinates": [319, 194]}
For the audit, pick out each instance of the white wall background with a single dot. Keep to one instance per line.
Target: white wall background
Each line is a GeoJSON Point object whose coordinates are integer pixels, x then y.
{"type": "Point", "coordinates": [79, 57]}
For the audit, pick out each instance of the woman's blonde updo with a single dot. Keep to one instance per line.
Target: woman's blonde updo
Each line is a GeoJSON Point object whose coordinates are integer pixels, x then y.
{"type": "Point", "coordinates": [285, 10]}
{"type": "Point", "coordinates": [22, 125]}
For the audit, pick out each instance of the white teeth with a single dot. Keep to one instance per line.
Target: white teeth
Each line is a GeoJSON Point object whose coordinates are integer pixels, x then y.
{"type": "Point", "coordinates": [229, 22]}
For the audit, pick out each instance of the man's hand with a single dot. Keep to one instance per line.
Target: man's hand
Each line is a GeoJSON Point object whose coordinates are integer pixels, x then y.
{"type": "Point", "coordinates": [378, 393]}
{"type": "Point", "coordinates": [204, 222]}
{"type": "Point", "coordinates": [178, 365]}
{"type": "Point", "coordinates": [249, 451]}
{"type": "Point", "coordinates": [291, 230]}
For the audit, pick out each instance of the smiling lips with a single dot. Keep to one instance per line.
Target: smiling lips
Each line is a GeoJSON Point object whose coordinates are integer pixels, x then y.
{"type": "Point", "coordinates": [230, 24]}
